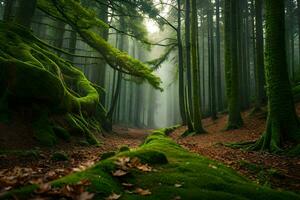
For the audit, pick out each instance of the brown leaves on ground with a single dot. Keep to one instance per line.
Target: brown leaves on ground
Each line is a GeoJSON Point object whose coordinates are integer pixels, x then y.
{"type": "Point", "coordinates": [16, 171]}
{"type": "Point", "coordinates": [124, 164]}
{"type": "Point", "coordinates": [113, 196]}
{"type": "Point", "coordinates": [287, 170]}
{"type": "Point", "coordinates": [74, 192]}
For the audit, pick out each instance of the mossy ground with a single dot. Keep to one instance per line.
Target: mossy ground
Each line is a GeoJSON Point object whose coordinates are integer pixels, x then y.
{"type": "Point", "coordinates": [196, 177]}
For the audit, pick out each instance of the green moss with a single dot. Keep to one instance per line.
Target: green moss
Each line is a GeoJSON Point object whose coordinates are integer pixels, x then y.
{"type": "Point", "coordinates": [124, 148]}
{"type": "Point", "coordinates": [107, 155]}
{"type": "Point", "coordinates": [198, 177]}
{"type": "Point", "coordinates": [43, 131]}
{"type": "Point", "coordinates": [59, 156]}
{"type": "Point", "coordinates": [62, 133]}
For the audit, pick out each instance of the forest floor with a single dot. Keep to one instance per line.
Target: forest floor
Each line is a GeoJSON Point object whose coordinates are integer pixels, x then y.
{"type": "Point", "coordinates": [277, 171]}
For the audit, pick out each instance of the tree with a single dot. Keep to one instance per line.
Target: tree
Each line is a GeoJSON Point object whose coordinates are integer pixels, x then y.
{"type": "Point", "coordinates": [259, 50]}
{"type": "Point", "coordinates": [218, 57]}
{"type": "Point", "coordinates": [196, 89]}
{"type": "Point", "coordinates": [211, 52]}
{"type": "Point", "coordinates": [180, 66]}
{"type": "Point", "coordinates": [282, 123]}
{"type": "Point", "coordinates": [231, 66]}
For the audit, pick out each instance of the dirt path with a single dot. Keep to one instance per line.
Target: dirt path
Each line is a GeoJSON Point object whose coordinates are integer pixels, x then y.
{"type": "Point", "coordinates": [17, 171]}
{"type": "Point", "coordinates": [277, 171]}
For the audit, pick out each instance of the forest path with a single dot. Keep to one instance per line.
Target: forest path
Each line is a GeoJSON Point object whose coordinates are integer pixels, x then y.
{"type": "Point", "coordinates": [19, 170]}
{"type": "Point", "coordinates": [264, 168]}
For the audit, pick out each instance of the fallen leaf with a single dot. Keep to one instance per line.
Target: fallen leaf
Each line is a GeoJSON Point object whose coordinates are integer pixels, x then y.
{"type": "Point", "coordinates": [142, 192]}
{"type": "Point", "coordinates": [113, 196]}
{"type": "Point", "coordinates": [144, 168]}
{"type": "Point", "coordinates": [119, 172]}
{"type": "Point", "coordinates": [85, 196]}
{"type": "Point", "coordinates": [127, 184]}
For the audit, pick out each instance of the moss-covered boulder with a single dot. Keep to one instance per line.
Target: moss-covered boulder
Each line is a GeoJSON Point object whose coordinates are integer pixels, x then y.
{"type": "Point", "coordinates": [183, 175]}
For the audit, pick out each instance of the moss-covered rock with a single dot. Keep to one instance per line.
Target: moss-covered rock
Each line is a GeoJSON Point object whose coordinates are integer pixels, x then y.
{"type": "Point", "coordinates": [197, 177]}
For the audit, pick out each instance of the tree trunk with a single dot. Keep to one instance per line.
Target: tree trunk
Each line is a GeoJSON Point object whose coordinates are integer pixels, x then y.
{"type": "Point", "coordinates": [282, 123]}
{"type": "Point", "coordinates": [196, 97]}
{"type": "Point", "coordinates": [259, 46]}
{"type": "Point", "coordinates": [180, 65]}
{"type": "Point", "coordinates": [213, 110]}
{"type": "Point", "coordinates": [218, 57]}
{"type": "Point", "coordinates": [231, 66]}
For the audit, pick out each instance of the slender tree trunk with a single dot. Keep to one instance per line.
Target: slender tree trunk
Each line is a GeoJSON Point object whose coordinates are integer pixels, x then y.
{"type": "Point", "coordinates": [196, 97]}
{"type": "Point", "coordinates": [180, 65]}
{"type": "Point", "coordinates": [218, 57]}
{"type": "Point", "coordinates": [259, 65]}
{"type": "Point", "coordinates": [188, 88]}
{"type": "Point", "coordinates": [213, 110]}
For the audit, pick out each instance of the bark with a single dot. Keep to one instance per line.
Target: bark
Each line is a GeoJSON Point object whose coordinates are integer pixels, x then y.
{"type": "Point", "coordinates": [180, 65]}
{"type": "Point", "coordinates": [282, 123]}
{"type": "Point", "coordinates": [218, 57]}
{"type": "Point", "coordinates": [196, 89]}
{"type": "Point", "coordinates": [259, 65]}
{"type": "Point", "coordinates": [231, 66]}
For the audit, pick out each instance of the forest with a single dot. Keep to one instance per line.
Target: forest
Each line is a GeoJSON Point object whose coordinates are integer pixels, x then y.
{"type": "Point", "coordinates": [150, 99]}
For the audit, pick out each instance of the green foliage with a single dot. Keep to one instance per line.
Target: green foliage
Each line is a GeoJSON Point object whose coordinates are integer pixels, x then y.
{"type": "Point", "coordinates": [196, 177]}
{"type": "Point", "coordinates": [124, 148]}
{"type": "Point", "coordinates": [84, 22]}
{"type": "Point", "coordinates": [107, 155]}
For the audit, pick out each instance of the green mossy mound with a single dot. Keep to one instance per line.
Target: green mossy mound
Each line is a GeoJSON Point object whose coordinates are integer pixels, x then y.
{"type": "Point", "coordinates": [185, 175]}
{"type": "Point", "coordinates": [33, 77]}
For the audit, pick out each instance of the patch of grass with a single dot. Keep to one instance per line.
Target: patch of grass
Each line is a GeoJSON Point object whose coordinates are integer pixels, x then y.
{"type": "Point", "coordinates": [198, 177]}
{"type": "Point", "coordinates": [264, 174]}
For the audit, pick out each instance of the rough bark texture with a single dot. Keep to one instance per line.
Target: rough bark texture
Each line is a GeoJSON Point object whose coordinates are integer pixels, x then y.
{"type": "Point", "coordinates": [196, 94]}
{"type": "Point", "coordinates": [259, 65]}
{"type": "Point", "coordinates": [231, 66]}
{"type": "Point", "coordinates": [282, 123]}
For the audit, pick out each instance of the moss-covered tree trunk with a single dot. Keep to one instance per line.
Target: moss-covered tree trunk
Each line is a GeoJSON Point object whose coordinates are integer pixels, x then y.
{"type": "Point", "coordinates": [231, 66]}
{"type": "Point", "coordinates": [282, 122]}
{"type": "Point", "coordinates": [196, 89]}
